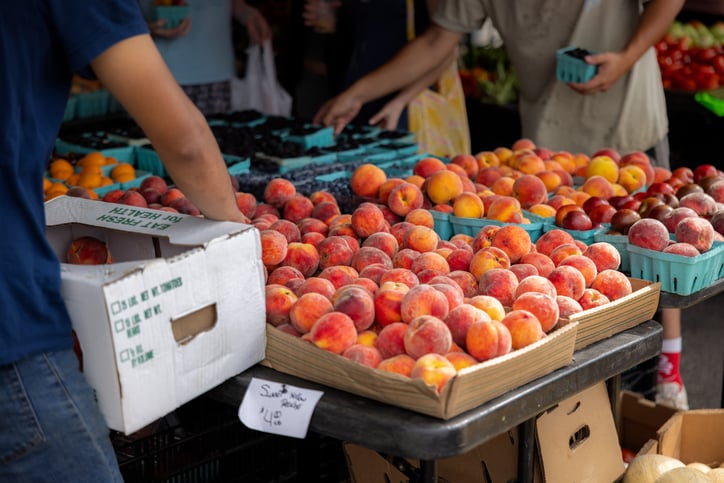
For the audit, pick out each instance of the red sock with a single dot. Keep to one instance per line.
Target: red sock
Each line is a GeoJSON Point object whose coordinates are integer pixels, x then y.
{"type": "Point", "coordinates": [668, 370]}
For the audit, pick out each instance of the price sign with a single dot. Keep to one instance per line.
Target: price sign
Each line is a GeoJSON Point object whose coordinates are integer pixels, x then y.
{"type": "Point", "coordinates": [278, 408]}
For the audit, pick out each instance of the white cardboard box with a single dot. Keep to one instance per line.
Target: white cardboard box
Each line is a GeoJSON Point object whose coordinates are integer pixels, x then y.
{"type": "Point", "coordinates": [181, 309]}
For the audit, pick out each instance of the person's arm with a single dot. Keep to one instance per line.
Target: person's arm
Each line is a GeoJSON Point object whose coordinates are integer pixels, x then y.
{"type": "Point", "coordinates": [417, 59]}
{"type": "Point", "coordinates": [256, 25]}
{"type": "Point", "coordinates": [136, 75]}
{"type": "Point", "coordinates": [655, 21]}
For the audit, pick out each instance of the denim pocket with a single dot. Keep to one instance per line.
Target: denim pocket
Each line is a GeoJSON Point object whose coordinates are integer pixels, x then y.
{"type": "Point", "coordinates": [19, 428]}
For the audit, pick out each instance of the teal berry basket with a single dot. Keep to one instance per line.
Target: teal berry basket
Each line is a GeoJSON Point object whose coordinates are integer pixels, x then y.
{"type": "Point", "coordinates": [678, 274]}
{"type": "Point", "coordinates": [471, 226]}
{"type": "Point", "coordinates": [442, 224]}
{"type": "Point", "coordinates": [172, 14]}
{"type": "Point", "coordinates": [570, 66]}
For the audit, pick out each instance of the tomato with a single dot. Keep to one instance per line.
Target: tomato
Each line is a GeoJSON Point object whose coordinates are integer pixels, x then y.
{"type": "Point", "coordinates": [718, 64]}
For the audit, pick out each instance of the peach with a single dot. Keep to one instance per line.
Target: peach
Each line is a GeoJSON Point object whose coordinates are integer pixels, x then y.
{"type": "Point", "coordinates": [154, 182]}
{"type": "Point", "coordinates": [261, 209]}
{"type": "Point", "coordinates": [363, 354]}
{"type": "Point", "coordinates": [112, 196]}
{"type": "Point", "coordinates": [384, 241]}
{"type": "Point", "coordinates": [367, 219]}
{"type": "Point", "coordinates": [460, 360]}
{"type": "Point", "coordinates": [312, 225]}
{"type": "Point", "coordinates": [279, 300]}
{"type": "Point", "coordinates": [683, 249]}
{"type": "Point", "coordinates": [529, 164]}
{"type": "Point", "coordinates": [367, 337]}
{"type": "Point", "coordinates": [592, 298]}
{"type": "Point", "coordinates": [288, 329]}
{"type": "Point", "coordinates": [404, 198]}
{"type": "Point", "coordinates": [443, 186]}
{"type": "Point", "coordinates": [543, 306]}
{"type": "Point", "coordinates": [370, 285]}
{"type": "Point", "coordinates": [325, 211]}
{"type": "Point", "coordinates": [88, 250]}
{"type": "Point", "coordinates": [459, 259]}
{"type": "Point", "coordinates": [404, 258]}
{"type": "Point", "coordinates": [513, 240]}
{"type": "Point", "coordinates": [489, 304]}
{"type": "Point", "coordinates": [420, 238]}
{"type": "Point", "coordinates": [558, 200]}
{"type": "Point", "coordinates": [358, 303]}
{"type": "Point", "coordinates": [428, 166]}
{"type": "Point", "coordinates": [428, 274]}
{"type": "Point", "coordinates": [388, 302]}
{"type": "Point", "coordinates": [368, 256]}
{"type": "Point", "coordinates": [374, 272]}
{"type": "Point", "coordinates": [400, 275]}
{"type": "Point", "coordinates": [642, 161]}
{"type": "Point", "coordinates": [435, 369]}
{"type": "Point", "coordinates": [339, 275]}
{"type": "Point", "coordinates": [385, 188]}
{"type": "Point", "coordinates": [307, 309]}
{"type": "Point", "coordinates": [505, 209]}
{"type": "Point", "coordinates": [366, 180]}
{"type": "Point", "coordinates": [430, 261]}
{"type": "Point", "coordinates": [604, 255]}
{"type": "Point", "coordinates": [399, 229]}
{"type": "Point", "coordinates": [297, 208]}
{"type": "Point", "coordinates": [649, 233]}
{"type": "Point", "coordinates": [182, 205]}
{"type": "Point", "coordinates": [484, 237]}
{"type": "Point", "coordinates": [459, 170]}
{"type": "Point", "coordinates": [563, 211]}
{"type": "Point", "coordinates": [487, 259]}
{"type": "Point", "coordinates": [500, 283]}
{"type": "Point", "coordinates": [503, 154]}
{"type": "Point", "coordinates": [584, 265]}
{"type": "Point", "coordinates": [552, 179]}
{"type": "Point", "coordinates": [420, 216]}
{"type": "Point", "coordinates": [283, 274]}
{"type": "Point", "coordinates": [170, 195]}
{"type": "Point", "coordinates": [567, 306]}
{"type": "Point", "coordinates": [524, 327]}
{"type": "Point", "coordinates": [320, 196]}
{"type": "Point", "coordinates": [277, 191]}
{"type": "Point", "coordinates": [333, 332]}
{"type": "Point", "coordinates": [529, 190]}
{"type": "Point", "coordinates": [489, 175]}
{"type": "Point", "coordinates": [564, 251]}
{"type": "Point", "coordinates": [302, 256]}
{"type": "Point", "coordinates": [459, 320]}
{"type": "Point", "coordinates": [423, 300]}
{"type": "Point", "coordinates": [698, 232]}
{"type": "Point", "coordinates": [273, 247]}
{"type": "Point", "coordinates": [134, 198]}
{"type": "Point", "coordinates": [313, 238]}
{"type": "Point", "coordinates": [631, 178]}
{"type": "Point", "coordinates": [468, 205]}
{"type": "Point", "coordinates": [468, 162]}
{"type": "Point", "coordinates": [565, 159]}
{"type": "Point", "coordinates": [294, 284]}
{"type": "Point", "coordinates": [523, 270]}
{"type": "Point", "coordinates": [486, 159]}
{"type": "Point", "coordinates": [612, 283]}
{"type": "Point", "coordinates": [400, 364]}
{"type": "Point", "coordinates": [675, 216]}
{"type": "Point", "coordinates": [287, 228]}
{"type": "Point", "coordinates": [597, 186]}
{"type": "Point", "coordinates": [603, 166]}
{"type": "Point", "coordinates": [462, 240]}
{"type": "Point", "coordinates": [466, 281]}
{"type": "Point", "coordinates": [318, 285]}
{"type": "Point", "coordinates": [503, 186]}
{"type": "Point", "coordinates": [535, 283]}
{"type": "Point", "coordinates": [390, 340]}
{"type": "Point", "coordinates": [427, 334]}
{"type": "Point", "coordinates": [452, 292]}
{"type": "Point", "coordinates": [543, 263]}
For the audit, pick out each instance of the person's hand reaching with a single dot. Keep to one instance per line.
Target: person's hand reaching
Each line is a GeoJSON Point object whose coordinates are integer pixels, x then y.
{"type": "Point", "coordinates": [338, 111]}
{"type": "Point", "coordinates": [389, 116]}
{"type": "Point", "coordinates": [611, 66]}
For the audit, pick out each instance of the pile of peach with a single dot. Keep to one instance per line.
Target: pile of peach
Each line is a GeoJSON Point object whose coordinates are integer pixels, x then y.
{"type": "Point", "coordinates": [378, 286]}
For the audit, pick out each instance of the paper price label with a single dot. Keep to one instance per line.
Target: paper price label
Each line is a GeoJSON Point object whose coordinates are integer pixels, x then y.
{"type": "Point", "coordinates": [278, 408]}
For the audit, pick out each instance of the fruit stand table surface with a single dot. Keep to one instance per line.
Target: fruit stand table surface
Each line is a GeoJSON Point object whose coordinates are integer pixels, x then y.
{"type": "Point", "coordinates": [671, 300]}
{"type": "Point", "coordinates": [395, 431]}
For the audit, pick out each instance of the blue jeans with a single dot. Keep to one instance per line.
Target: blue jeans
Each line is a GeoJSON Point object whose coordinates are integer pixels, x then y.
{"type": "Point", "coordinates": [50, 426]}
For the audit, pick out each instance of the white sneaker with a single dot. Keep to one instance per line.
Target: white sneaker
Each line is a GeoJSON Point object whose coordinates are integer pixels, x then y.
{"type": "Point", "coordinates": [672, 395]}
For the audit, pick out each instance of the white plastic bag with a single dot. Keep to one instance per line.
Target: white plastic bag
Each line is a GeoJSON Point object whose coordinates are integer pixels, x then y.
{"type": "Point", "coordinates": [260, 90]}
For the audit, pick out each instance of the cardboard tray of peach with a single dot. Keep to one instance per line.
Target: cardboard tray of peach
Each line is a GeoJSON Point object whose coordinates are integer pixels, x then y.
{"type": "Point", "coordinates": [474, 385]}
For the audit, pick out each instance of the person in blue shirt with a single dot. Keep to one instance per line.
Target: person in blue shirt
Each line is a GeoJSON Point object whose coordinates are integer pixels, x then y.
{"type": "Point", "coordinates": [51, 428]}
{"type": "Point", "coordinates": [200, 50]}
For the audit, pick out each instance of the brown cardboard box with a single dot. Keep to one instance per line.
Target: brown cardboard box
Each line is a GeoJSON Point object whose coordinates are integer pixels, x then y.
{"type": "Point", "coordinates": [577, 439]}
{"type": "Point", "coordinates": [640, 419]}
{"type": "Point", "coordinates": [492, 462]}
{"type": "Point", "coordinates": [691, 436]}
{"type": "Point", "coordinates": [629, 311]}
{"type": "Point", "coordinates": [469, 388]}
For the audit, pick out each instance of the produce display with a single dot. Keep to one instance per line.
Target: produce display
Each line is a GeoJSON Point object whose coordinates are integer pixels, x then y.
{"type": "Point", "coordinates": [658, 468]}
{"type": "Point", "coordinates": [691, 56]}
{"type": "Point", "coordinates": [488, 75]}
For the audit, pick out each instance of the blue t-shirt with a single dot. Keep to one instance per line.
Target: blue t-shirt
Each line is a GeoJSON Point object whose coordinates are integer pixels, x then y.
{"type": "Point", "coordinates": [42, 42]}
{"type": "Point", "coordinates": [205, 54]}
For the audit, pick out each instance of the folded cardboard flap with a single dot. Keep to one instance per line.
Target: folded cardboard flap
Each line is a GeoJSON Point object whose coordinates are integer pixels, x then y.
{"type": "Point", "coordinates": [640, 420]}
{"type": "Point", "coordinates": [694, 436]}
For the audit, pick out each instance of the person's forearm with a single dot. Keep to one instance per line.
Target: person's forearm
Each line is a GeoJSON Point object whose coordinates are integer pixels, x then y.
{"type": "Point", "coordinates": [655, 21]}
{"type": "Point", "coordinates": [418, 60]}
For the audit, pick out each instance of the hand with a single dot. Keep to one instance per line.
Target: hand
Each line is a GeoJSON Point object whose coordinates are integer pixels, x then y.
{"type": "Point", "coordinates": [389, 116]}
{"type": "Point", "coordinates": [315, 13]}
{"type": "Point", "coordinates": [611, 66]}
{"type": "Point", "coordinates": [158, 29]}
{"type": "Point", "coordinates": [338, 111]}
{"type": "Point", "coordinates": [256, 25]}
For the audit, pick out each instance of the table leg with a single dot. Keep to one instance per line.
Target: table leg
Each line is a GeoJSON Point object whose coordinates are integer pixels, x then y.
{"type": "Point", "coordinates": [428, 471]}
{"type": "Point", "coordinates": [526, 450]}
{"type": "Point", "coordinates": [614, 385]}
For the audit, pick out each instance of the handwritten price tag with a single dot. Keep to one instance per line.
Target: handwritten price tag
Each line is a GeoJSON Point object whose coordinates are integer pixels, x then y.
{"type": "Point", "coordinates": [278, 408]}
